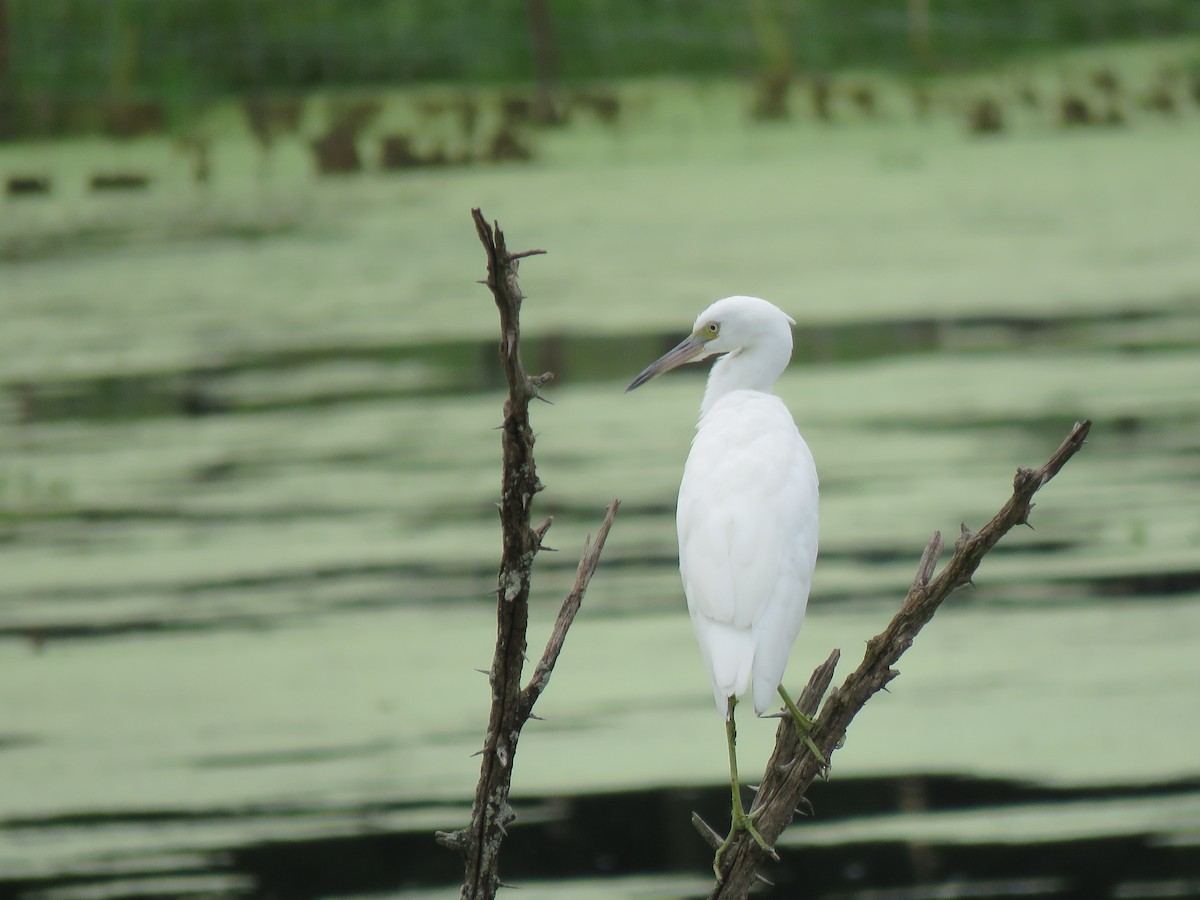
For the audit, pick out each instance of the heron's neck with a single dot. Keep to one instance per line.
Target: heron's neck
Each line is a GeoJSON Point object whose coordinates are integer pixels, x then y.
{"type": "Point", "coordinates": [752, 369]}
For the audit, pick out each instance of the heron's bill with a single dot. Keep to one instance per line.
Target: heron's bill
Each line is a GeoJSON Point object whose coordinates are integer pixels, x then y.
{"type": "Point", "coordinates": [688, 350]}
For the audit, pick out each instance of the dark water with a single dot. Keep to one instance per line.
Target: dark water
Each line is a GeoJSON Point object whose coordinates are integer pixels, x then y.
{"type": "Point", "coordinates": [463, 367]}
{"type": "Point", "coordinates": [646, 832]}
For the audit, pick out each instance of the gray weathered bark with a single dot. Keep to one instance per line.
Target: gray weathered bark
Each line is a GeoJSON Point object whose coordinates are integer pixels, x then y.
{"type": "Point", "coordinates": [480, 842]}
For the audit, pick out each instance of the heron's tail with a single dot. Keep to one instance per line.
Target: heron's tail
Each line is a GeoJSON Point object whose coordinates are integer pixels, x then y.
{"type": "Point", "coordinates": [729, 655]}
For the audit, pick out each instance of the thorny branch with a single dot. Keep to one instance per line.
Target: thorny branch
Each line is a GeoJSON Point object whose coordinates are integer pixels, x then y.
{"type": "Point", "coordinates": [479, 843]}
{"type": "Point", "coordinates": [792, 766]}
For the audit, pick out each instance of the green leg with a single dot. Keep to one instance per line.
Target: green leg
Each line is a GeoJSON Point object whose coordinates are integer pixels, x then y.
{"type": "Point", "coordinates": [804, 725]}
{"type": "Point", "coordinates": [740, 819]}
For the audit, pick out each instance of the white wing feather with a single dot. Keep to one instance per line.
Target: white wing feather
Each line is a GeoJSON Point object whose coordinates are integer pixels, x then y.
{"type": "Point", "coordinates": [747, 522]}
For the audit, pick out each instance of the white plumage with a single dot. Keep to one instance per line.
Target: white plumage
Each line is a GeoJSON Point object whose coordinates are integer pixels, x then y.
{"type": "Point", "coordinates": [747, 518]}
{"type": "Point", "coordinates": [747, 514]}
{"type": "Point", "coordinates": [747, 523]}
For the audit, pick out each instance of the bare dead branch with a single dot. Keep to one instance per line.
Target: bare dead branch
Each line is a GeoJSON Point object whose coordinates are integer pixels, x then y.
{"type": "Point", "coordinates": [566, 615]}
{"type": "Point", "coordinates": [928, 561]}
{"type": "Point", "coordinates": [792, 766]}
{"type": "Point", "coordinates": [480, 842]}
{"type": "Point", "coordinates": [525, 253]}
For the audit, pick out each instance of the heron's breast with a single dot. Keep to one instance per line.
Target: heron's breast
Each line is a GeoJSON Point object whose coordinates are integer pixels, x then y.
{"type": "Point", "coordinates": [747, 510]}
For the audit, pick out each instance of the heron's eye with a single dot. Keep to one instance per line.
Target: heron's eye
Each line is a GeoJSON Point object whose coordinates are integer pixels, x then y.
{"type": "Point", "coordinates": [712, 329]}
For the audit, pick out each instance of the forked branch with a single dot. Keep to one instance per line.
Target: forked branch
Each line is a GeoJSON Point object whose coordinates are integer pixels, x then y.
{"type": "Point", "coordinates": [792, 766]}
{"type": "Point", "coordinates": [479, 843]}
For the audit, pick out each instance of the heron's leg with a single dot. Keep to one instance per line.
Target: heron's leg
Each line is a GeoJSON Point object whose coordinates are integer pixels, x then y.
{"type": "Point", "coordinates": [804, 725]}
{"type": "Point", "coordinates": [740, 819]}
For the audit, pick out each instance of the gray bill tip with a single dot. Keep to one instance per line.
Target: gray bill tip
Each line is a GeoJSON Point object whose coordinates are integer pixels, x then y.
{"type": "Point", "coordinates": [689, 349]}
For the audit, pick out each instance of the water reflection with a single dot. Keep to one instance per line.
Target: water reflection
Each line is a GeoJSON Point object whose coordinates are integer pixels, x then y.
{"type": "Point", "coordinates": [971, 839]}
{"type": "Point", "coordinates": [349, 373]}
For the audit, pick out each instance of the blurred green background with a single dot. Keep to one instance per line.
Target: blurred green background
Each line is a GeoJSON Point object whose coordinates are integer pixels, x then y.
{"type": "Point", "coordinates": [248, 465]}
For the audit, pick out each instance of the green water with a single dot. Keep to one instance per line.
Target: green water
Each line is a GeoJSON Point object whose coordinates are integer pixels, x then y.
{"type": "Point", "coordinates": [248, 462]}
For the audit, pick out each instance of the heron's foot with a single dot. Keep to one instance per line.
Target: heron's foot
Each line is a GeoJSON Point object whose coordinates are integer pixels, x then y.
{"type": "Point", "coordinates": [804, 726]}
{"type": "Point", "coordinates": [741, 821]}
{"type": "Point", "coordinates": [803, 729]}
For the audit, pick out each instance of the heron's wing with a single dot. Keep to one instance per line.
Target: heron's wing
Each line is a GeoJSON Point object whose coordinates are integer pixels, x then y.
{"type": "Point", "coordinates": [747, 522]}
{"type": "Point", "coordinates": [747, 513]}
{"type": "Point", "coordinates": [780, 618]}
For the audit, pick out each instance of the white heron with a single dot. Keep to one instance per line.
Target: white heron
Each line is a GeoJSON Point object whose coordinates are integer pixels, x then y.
{"type": "Point", "coordinates": [747, 515]}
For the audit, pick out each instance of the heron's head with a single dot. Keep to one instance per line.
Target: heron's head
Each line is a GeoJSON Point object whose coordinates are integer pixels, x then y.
{"type": "Point", "coordinates": [730, 326]}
